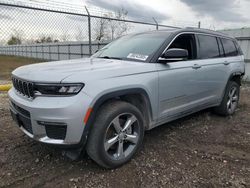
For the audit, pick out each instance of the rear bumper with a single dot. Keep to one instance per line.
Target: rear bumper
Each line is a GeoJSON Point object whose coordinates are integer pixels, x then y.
{"type": "Point", "coordinates": [51, 120]}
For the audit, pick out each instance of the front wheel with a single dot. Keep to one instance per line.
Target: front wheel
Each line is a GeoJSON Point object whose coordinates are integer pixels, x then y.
{"type": "Point", "coordinates": [116, 135]}
{"type": "Point", "coordinates": [230, 100]}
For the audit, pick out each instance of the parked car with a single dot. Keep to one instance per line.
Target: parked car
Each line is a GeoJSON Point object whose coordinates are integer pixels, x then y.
{"type": "Point", "coordinates": [105, 103]}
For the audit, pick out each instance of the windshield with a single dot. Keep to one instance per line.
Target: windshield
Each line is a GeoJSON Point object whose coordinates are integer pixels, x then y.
{"type": "Point", "coordinates": [139, 47]}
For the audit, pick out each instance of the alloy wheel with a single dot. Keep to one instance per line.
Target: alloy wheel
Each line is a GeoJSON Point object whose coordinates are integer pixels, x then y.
{"type": "Point", "coordinates": [232, 100]}
{"type": "Point", "coordinates": [122, 136]}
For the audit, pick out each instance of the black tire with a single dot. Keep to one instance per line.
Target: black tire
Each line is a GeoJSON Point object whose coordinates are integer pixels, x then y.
{"type": "Point", "coordinates": [97, 145]}
{"type": "Point", "coordinates": [223, 109]}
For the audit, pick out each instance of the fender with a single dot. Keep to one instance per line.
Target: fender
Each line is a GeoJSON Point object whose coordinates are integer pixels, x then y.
{"type": "Point", "coordinates": [230, 78]}
{"type": "Point", "coordinates": [104, 98]}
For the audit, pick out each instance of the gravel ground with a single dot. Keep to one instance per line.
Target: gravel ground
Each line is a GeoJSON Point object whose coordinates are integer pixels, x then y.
{"type": "Point", "coordinates": [202, 150]}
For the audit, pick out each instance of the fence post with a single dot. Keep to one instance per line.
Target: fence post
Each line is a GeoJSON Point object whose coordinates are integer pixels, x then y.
{"type": "Point", "coordinates": [89, 29]}
{"type": "Point", "coordinates": [157, 25]}
{"type": "Point", "coordinates": [199, 24]}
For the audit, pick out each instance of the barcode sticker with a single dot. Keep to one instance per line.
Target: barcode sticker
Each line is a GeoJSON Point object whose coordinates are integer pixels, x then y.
{"type": "Point", "coordinates": [137, 56]}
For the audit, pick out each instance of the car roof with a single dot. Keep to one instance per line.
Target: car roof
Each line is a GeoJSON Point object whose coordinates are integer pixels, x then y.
{"type": "Point", "coordinates": [191, 30]}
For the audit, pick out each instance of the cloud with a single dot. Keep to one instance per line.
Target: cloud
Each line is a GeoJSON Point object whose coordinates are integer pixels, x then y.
{"type": "Point", "coordinates": [135, 10]}
{"type": "Point", "coordinates": [77, 18]}
{"type": "Point", "coordinates": [5, 17]}
{"type": "Point", "coordinates": [223, 10]}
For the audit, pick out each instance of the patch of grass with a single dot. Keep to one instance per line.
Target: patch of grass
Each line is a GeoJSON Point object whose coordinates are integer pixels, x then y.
{"type": "Point", "coordinates": [10, 63]}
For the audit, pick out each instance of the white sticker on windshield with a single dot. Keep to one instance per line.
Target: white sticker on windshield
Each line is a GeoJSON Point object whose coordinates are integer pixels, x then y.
{"type": "Point", "coordinates": [137, 56]}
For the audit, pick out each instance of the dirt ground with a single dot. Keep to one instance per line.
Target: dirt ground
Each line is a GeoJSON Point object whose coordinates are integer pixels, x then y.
{"type": "Point", "coordinates": [9, 63]}
{"type": "Point", "coordinates": [202, 150]}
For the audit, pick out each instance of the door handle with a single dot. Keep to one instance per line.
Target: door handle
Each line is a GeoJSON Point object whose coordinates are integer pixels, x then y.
{"type": "Point", "coordinates": [226, 63]}
{"type": "Point", "coordinates": [196, 66]}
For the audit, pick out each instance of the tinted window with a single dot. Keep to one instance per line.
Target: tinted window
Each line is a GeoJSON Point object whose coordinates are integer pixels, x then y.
{"type": "Point", "coordinates": [229, 47]}
{"type": "Point", "coordinates": [220, 48]}
{"type": "Point", "coordinates": [208, 47]}
{"type": "Point", "coordinates": [187, 42]}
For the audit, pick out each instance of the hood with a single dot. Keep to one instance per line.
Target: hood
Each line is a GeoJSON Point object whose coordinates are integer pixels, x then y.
{"type": "Point", "coordinates": [80, 70]}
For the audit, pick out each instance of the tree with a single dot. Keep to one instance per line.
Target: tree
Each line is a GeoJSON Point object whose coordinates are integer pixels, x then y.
{"type": "Point", "coordinates": [14, 41]}
{"type": "Point", "coordinates": [16, 38]}
{"type": "Point", "coordinates": [119, 28]}
{"type": "Point", "coordinates": [100, 31]}
{"type": "Point", "coordinates": [46, 40]}
{"type": "Point", "coordinates": [107, 24]}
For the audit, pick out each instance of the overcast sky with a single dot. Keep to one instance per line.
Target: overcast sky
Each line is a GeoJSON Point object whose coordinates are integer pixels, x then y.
{"type": "Point", "coordinates": [213, 14]}
{"type": "Point", "coordinates": [218, 14]}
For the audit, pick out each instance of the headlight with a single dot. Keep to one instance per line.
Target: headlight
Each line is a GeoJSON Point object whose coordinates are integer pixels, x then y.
{"type": "Point", "coordinates": [57, 89]}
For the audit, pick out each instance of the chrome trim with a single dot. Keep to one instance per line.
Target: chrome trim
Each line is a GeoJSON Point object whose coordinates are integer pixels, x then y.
{"type": "Point", "coordinates": [23, 87]}
{"type": "Point", "coordinates": [170, 59]}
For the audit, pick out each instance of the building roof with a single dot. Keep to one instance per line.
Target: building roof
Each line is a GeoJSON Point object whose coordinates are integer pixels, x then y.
{"type": "Point", "coordinates": [243, 37]}
{"type": "Point", "coordinates": [242, 32]}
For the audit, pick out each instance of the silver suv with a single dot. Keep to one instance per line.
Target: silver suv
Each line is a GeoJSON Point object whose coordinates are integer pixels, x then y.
{"type": "Point", "coordinates": [105, 103]}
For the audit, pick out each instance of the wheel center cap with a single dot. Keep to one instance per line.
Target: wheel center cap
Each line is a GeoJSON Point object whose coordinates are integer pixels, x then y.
{"type": "Point", "coordinates": [122, 135]}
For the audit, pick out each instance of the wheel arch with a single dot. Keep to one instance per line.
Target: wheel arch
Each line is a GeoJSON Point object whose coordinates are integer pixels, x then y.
{"type": "Point", "coordinates": [124, 95]}
{"type": "Point", "coordinates": [236, 76]}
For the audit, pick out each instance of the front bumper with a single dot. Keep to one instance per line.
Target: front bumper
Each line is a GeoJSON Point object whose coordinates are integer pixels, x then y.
{"type": "Point", "coordinates": [51, 120]}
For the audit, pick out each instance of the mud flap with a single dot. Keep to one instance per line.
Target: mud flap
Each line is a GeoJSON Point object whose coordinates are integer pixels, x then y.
{"type": "Point", "coordinates": [74, 154]}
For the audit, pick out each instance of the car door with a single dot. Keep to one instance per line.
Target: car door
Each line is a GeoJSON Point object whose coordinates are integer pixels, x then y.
{"type": "Point", "coordinates": [214, 69]}
{"type": "Point", "coordinates": [178, 89]}
{"type": "Point", "coordinates": [213, 73]}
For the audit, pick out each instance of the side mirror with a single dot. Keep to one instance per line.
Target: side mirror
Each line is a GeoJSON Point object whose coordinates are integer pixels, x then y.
{"type": "Point", "coordinates": [174, 54]}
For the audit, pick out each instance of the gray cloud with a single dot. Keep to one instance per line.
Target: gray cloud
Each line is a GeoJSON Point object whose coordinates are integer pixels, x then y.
{"type": "Point", "coordinates": [223, 10]}
{"type": "Point", "coordinates": [134, 9]}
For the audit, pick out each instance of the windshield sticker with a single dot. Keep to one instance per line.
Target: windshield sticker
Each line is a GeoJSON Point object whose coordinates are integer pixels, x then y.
{"type": "Point", "coordinates": [137, 56]}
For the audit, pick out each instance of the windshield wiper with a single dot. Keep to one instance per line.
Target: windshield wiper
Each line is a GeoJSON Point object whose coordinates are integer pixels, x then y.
{"type": "Point", "coordinates": [108, 57]}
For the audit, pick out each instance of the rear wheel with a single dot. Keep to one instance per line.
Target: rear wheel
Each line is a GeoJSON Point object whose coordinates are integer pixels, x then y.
{"type": "Point", "coordinates": [116, 135]}
{"type": "Point", "coordinates": [230, 100]}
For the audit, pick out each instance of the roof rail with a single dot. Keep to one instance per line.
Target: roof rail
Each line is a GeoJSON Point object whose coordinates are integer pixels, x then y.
{"type": "Point", "coordinates": [203, 29]}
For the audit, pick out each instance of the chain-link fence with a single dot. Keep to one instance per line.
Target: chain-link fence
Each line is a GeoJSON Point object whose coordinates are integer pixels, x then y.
{"type": "Point", "coordinates": [55, 33]}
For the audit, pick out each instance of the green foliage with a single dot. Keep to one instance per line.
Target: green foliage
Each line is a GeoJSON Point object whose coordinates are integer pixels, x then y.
{"type": "Point", "coordinates": [46, 40]}
{"type": "Point", "coordinates": [14, 40]}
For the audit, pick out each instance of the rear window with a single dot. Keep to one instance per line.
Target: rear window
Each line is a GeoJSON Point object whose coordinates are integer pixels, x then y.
{"type": "Point", "coordinates": [229, 48]}
{"type": "Point", "coordinates": [208, 47]}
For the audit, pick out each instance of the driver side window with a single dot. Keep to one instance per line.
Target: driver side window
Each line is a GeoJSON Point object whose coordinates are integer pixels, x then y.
{"type": "Point", "coordinates": [186, 42]}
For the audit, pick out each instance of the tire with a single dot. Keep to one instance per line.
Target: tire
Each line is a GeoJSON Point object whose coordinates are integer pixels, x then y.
{"type": "Point", "coordinates": [230, 100]}
{"type": "Point", "coordinates": [117, 134]}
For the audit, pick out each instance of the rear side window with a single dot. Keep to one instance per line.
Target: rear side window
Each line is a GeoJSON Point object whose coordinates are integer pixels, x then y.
{"type": "Point", "coordinates": [220, 47]}
{"type": "Point", "coordinates": [208, 47]}
{"type": "Point", "coordinates": [229, 48]}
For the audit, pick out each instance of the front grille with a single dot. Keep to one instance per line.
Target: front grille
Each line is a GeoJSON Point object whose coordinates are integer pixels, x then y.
{"type": "Point", "coordinates": [23, 87]}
